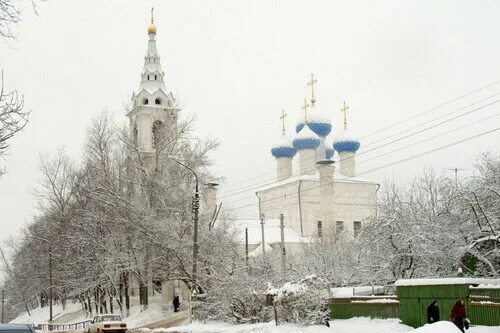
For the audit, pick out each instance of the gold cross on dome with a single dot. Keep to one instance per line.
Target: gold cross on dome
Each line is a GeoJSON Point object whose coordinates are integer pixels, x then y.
{"type": "Point", "coordinates": [152, 15]}
{"type": "Point", "coordinates": [311, 83]}
{"type": "Point", "coordinates": [283, 116]}
{"type": "Point", "coordinates": [304, 109]}
{"type": "Point", "coordinates": [344, 110]}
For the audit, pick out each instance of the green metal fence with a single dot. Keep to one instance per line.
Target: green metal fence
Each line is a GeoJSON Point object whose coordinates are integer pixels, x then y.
{"type": "Point", "coordinates": [482, 305]}
{"type": "Point", "coordinates": [345, 308]}
{"type": "Point", "coordinates": [410, 305]}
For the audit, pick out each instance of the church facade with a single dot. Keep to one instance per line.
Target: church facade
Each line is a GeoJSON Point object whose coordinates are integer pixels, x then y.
{"type": "Point", "coordinates": [317, 192]}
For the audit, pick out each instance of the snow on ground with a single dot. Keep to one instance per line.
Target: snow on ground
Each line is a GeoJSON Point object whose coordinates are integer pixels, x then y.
{"type": "Point", "coordinates": [41, 315]}
{"type": "Point", "coordinates": [353, 325]}
{"type": "Point", "coordinates": [153, 314]}
{"type": "Point", "coordinates": [74, 313]}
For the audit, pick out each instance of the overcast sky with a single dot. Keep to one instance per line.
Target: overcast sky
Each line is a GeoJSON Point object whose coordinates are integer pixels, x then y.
{"type": "Point", "coordinates": [236, 64]}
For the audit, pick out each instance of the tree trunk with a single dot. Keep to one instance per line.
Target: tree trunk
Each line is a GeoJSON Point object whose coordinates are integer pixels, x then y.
{"type": "Point", "coordinates": [89, 304]}
{"type": "Point", "coordinates": [143, 295]}
{"type": "Point", "coordinates": [125, 289]}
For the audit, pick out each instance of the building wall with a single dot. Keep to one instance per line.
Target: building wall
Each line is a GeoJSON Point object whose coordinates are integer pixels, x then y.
{"type": "Point", "coordinates": [354, 201]}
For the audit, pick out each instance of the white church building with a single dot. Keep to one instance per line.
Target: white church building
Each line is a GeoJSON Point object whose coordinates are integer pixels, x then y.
{"type": "Point", "coordinates": [315, 195]}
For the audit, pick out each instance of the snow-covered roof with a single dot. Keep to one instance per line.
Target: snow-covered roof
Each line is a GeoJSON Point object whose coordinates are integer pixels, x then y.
{"type": "Point", "coordinates": [307, 133]}
{"type": "Point", "coordinates": [346, 142]}
{"type": "Point", "coordinates": [258, 250]}
{"type": "Point", "coordinates": [364, 291]}
{"type": "Point", "coordinates": [337, 177]}
{"type": "Point", "coordinates": [272, 232]}
{"type": "Point", "coordinates": [345, 135]}
{"type": "Point", "coordinates": [306, 139]}
{"type": "Point", "coordinates": [445, 281]}
{"type": "Point", "coordinates": [283, 142]}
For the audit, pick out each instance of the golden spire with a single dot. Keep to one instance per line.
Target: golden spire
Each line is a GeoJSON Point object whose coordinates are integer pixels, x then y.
{"type": "Point", "coordinates": [283, 116]}
{"type": "Point", "coordinates": [304, 109]}
{"type": "Point", "coordinates": [311, 83]}
{"type": "Point", "coordinates": [344, 110]}
{"type": "Point", "coordinates": [152, 27]}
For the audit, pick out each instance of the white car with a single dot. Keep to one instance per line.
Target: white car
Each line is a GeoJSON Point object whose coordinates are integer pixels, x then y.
{"type": "Point", "coordinates": [107, 323]}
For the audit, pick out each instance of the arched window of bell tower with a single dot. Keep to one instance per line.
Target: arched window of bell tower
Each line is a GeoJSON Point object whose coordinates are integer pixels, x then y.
{"type": "Point", "coordinates": [145, 101]}
{"type": "Point", "coordinates": [157, 133]}
{"type": "Point", "coordinates": [157, 101]}
{"type": "Point", "coordinates": [156, 77]}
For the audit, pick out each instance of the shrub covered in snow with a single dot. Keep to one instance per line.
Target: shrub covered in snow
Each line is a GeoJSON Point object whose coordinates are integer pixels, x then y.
{"type": "Point", "coordinates": [305, 301]}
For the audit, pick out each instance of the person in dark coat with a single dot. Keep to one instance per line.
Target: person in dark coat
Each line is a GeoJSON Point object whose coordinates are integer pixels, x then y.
{"type": "Point", "coordinates": [176, 302]}
{"type": "Point", "coordinates": [458, 314]}
{"type": "Point", "coordinates": [433, 312]}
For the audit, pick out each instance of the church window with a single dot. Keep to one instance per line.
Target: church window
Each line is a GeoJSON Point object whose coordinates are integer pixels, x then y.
{"type": "Point", "coordinates": [357, 228]}
{"type": "Point", "coordinates": [157, 132]}
{"type": "Point", "coordinates": [148, 77]}
{"type": "Point", "coordinates": [156, 77]}
{"type": "Point", "coordinates": [339, 226]}
{"type": "Point", "coordinates": [320, 229]}
{"type": "Point", "coordinates": [157, 101]}
{"type": "Point", "coordinates": [145, 101]}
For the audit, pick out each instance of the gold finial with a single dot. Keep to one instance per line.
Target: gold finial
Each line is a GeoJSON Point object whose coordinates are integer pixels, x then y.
{"type": "Point", "coordinates": [283, 116]}
{"type": "Point", "coordinates": [304, 108]}
{"type": "Point", "coordinates": [152, 27]}
{"type": "Point", "coordinates": [311, 83]}
{"type": "Point", "coordinates": [344, 110]}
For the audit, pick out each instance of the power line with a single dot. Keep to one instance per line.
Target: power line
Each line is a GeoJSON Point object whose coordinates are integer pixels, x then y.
{"type": "Point", "coordinates": [259, 184]}
{"type": "Point", "coordinates": [379, 140]}
{"type": "Point", "coordinates": [378, 168]}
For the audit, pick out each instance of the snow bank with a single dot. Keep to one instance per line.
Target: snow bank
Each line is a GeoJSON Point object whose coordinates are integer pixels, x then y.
{"type": "Point", "coordinates": [41, 315]}
{"type": "Point", "coordinates": [152, 315]}
{"type": "Point", "coordinates": [439, 327]}
{"type": "Point", "coordinates": [446, 281]}
{"type": "Point", "coordinates": [353, 325]}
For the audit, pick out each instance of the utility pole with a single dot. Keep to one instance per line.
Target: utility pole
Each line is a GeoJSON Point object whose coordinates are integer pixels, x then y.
{"type": "Point", "coordinates": [456, 170]}
{"type": "Point", "coordinates": [196, 209]}
{"type": "Point", "coordinates": [3, 305]}
{"type": "Point", "coordinates": [283, 250]}
{"type": "Point", "coordinates": [246, 246]}
{"type": "Point", "coordinates": [50, 283]}
{"type": "Point", "coordinates": [263, 243]}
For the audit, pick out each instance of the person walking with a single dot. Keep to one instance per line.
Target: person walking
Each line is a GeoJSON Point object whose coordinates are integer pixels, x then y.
{"type": "Point", "coordinates": [432, 312]}
{"type": "Point", "coordinates": [176, 302]}
{"type": "Point", "coordinates": [458, 315]}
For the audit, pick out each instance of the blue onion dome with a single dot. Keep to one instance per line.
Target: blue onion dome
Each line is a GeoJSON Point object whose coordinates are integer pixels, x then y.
{"type": "Point", "coordinates": [283, 148]}
{"type": "Point", "coordinates": [319, 123]}
{"type": "Point", "coordinates": [346, 142]}
{"type": "Point", "coordinates": [329, 151]}
{"type": "Point", "coordinates": [306, 139]}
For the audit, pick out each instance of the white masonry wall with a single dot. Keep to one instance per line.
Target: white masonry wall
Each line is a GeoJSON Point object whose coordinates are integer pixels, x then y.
{"type": "Point", "coordinates": [354, 201]}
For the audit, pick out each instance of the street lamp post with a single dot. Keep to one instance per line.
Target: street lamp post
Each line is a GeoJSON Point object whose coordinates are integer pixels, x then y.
{"type": "Point", "coordinates": [196, 209]}
{"type": "Point", "coordinates": [50, 275]}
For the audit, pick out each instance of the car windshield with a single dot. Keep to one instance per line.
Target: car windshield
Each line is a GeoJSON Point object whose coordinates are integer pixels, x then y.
{"type": "Point", "coordinates": [111, 318]}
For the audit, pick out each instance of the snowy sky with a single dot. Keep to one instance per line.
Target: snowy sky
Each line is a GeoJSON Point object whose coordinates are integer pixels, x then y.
{"type": "Point", "coordinates": [236, 64]}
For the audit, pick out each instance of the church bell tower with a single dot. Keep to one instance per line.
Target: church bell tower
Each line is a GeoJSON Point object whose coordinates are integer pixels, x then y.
{"type": "Point", "coordinates": [154, 111]}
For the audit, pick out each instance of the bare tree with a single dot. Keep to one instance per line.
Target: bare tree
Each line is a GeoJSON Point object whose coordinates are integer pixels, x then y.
{"type": "Point", "coordinates": [12, 117]}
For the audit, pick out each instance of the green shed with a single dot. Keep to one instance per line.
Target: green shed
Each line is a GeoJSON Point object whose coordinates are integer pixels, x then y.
{"type": "Point", "coordinates": [415, 295]}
